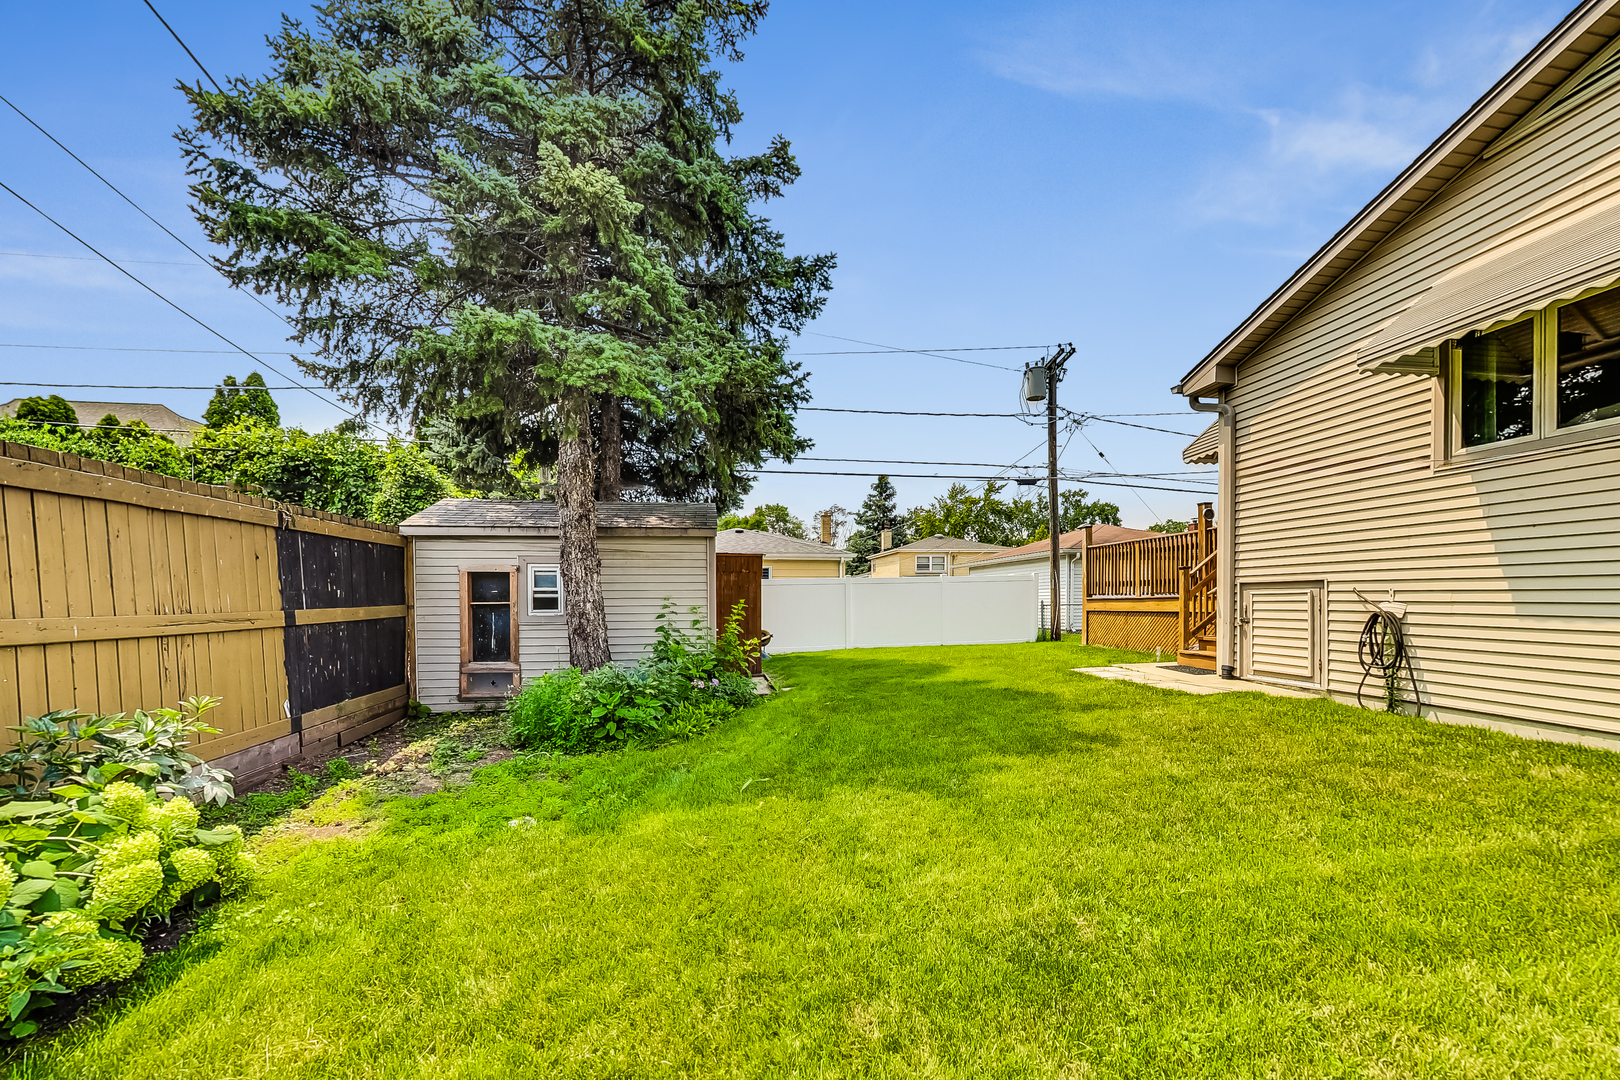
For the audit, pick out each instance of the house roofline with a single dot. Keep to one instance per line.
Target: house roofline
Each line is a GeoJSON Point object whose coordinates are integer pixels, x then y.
{"type": "Point", "coordinates": [1503, 105]}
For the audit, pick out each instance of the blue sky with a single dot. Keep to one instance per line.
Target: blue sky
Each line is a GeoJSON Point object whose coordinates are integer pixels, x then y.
{"type": "Point", "coordinates": [1132, 178]}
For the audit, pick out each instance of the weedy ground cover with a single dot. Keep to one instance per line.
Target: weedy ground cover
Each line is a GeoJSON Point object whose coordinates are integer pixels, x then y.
{"type": "Point", "coordinates": [961, 862]}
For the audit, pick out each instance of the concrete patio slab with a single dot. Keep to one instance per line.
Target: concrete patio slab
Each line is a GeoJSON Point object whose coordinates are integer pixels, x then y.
{"type": "Point", "coordinates": [1176, 677]}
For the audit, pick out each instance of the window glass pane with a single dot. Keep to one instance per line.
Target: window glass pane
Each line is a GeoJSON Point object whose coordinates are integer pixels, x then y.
{"type": "Point", "coordinates": [1589, 359]}
{"type": "Point", "coordinates": [545, 579]}
{"type": "Point", "coordinates": [1498, 389]}
{"type": "Point", "coordinates": [544, 601]}
{"type": "Point", "coordinates": [491, 588]}
{"type": "Point", "coordinates": [491, 633]}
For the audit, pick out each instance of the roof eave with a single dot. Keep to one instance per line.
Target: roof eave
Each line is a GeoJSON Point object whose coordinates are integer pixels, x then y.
{"type": "Point", "coordinates": [1514, 95]}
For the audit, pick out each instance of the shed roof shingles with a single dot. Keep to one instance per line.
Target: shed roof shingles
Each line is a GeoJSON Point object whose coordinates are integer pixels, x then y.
{"type": "Point", "coordinates": [532, 514]}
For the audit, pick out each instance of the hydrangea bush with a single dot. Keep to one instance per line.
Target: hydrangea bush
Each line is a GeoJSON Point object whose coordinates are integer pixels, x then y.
{"type": "Point", "coordinates": [692, 680]}
{"type": "Point", "coordinates": [98, 836]}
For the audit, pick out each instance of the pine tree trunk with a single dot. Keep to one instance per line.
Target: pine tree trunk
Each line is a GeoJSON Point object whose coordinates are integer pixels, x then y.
{"type": "Point", "coordinates": [581, 562]}
{"type": "Point", "coordinates": [610, 471]}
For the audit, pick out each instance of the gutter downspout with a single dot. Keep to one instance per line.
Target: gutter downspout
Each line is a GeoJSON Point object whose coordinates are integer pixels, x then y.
{"type": "Point", "coordinates": [1226, 545]}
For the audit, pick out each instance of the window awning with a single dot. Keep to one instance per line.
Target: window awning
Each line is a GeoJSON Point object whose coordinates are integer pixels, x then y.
{"type": "Point", "coordinates": [1206, 449]}
{"type": "Point", "coordinates": [1557, 266]}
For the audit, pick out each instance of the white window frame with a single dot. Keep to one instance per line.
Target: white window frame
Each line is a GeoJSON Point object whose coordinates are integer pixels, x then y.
{"type": "Point", "coordinates": [529, 589]}
{"type": "Point", "coordinates": [928, 569]}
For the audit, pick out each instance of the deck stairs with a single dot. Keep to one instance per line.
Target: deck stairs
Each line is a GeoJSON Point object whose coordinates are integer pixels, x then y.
{"type": "Point", "coordinates": [1197, 595]}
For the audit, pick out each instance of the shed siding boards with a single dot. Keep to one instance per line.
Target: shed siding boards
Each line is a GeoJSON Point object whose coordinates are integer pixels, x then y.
{"type": "Point", "coordinates": [638, 574]}
{"type": "Point", "coordinates": [797, 568]}
{"type": "Point", "coordinates": [1511, 565]}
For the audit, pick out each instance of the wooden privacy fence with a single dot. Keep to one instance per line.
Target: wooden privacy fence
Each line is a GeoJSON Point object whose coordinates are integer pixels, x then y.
{"type": "Point", "coordinates": [1134, 588]}
{"type": "Point", "coordinates": [125, 590]}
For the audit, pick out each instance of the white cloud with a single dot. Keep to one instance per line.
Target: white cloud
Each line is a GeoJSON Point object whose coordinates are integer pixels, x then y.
{"type": "Point", "coordinates": [1298, 157]}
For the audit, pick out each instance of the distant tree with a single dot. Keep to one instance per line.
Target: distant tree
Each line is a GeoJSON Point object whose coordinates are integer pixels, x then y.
{"type": "Point", "coordinates": [990, 519]}
{"type": "Point", "coordinates": [772, 518]}
{"type": "Point", "coordinates": [1075, 511]}
{"type": "Point", "coordinates": [879, 511]}
{"type": "Point", "coordinates": [1169, 526]}
{"type": "Point", "coordinates": [248, 404]}
{"type": "Point", "coordinates": [46, 410]}
{"type": "Point", "coordinates": [109, 421]}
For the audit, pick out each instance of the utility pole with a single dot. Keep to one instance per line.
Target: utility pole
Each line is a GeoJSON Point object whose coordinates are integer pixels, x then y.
{"type": "Point", "coordinates": [1051, 375]}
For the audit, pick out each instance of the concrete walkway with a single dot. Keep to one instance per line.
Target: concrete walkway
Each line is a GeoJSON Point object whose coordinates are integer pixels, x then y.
{"type": "Point", "coordinates": [1175, 677]}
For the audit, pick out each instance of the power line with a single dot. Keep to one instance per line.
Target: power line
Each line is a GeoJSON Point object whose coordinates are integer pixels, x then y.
{"type": "Point", "coordinates": [174, 305]}
{"type": "Point", "coordinates": [183, 45]}
{"type": "Point", "coordinates": [914, 352]}
{"type": "Point", "coordinates": [84, 258]}
{"type": "Point", "coordinates": [923, 352]}
{"type": "Point", "coordinates": [947, 476]}
{"type": "Point", "coordinates": [902, 461]}
{"type": "Point", "coordinates": [200, 256]}
{"type": "Point", "coordinates": [901, 412]}
{"type": "Point", "coordinates": [128, 386]}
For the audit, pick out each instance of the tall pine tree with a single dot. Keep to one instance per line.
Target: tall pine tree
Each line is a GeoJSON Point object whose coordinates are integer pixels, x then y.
{"type": "Point", "coordinates": [514, 216]}
{"type": "Point", "coordinates": [880, 510]}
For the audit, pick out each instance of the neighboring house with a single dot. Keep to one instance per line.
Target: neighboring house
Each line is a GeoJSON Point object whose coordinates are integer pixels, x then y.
{"type": "Point", "coordinates": [784, 556]}
{"type": "Point", "coordinates": [1428, 413]}
{"type": "Point", "coordinates": [930, 555]}
{"type": "Point", "coordinates": [157, 417]}
{"type": "Point", "coordinates": [488, 600]}
{"type": "Point", "coordinates": [1036, 559]}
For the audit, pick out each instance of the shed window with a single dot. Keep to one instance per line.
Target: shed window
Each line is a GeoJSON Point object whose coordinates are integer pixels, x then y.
{"type": "Point", "coordinates": [545, 591]}
{"type": "Point", "coordinates": [930, 564]}
{"type": "Point", "coordinates": [765, 574]}
{"type": "Point", "coordinates": [489, 631]}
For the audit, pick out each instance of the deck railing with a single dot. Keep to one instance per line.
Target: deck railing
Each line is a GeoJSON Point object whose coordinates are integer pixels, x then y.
{"type": "Point", "coordinates": [1150, 567]}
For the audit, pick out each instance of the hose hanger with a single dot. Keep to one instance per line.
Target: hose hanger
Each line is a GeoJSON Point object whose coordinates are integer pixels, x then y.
{"type": "Point", "coordinates": [1382, 650]}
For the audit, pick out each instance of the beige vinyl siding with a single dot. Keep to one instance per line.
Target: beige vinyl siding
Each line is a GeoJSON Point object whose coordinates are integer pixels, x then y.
{"type": "Point", "coordinates": [891, 566]}
{"type": "Point", "coordinates": [637, 574]}
{"type": "Point", "coordinates": [1510, 565]}
{"type": "Point", "coordinates": [802, 568]}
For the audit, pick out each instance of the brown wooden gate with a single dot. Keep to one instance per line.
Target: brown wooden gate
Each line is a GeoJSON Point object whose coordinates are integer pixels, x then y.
{"type": "Point", "coordinates": [738, 577]}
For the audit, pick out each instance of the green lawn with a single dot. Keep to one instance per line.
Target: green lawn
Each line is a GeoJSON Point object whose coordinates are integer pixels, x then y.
{"type": "Point", "coordinates": [955, 862]}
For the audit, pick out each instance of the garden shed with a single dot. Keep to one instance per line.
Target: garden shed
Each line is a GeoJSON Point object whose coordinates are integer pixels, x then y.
{"type": "Point", "coordinates": [487, 598]}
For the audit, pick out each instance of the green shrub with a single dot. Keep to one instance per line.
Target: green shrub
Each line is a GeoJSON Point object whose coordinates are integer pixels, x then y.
{"type": "Point", "coordinates": [91, 850]}
{"type": "Point", "coordinates": [46, 410]}
{"type": "Point", "coordinates": [692, 680]}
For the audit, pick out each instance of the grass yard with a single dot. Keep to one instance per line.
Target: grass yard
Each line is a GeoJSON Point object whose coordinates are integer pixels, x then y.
{"type": "Point", "coordinates": [953, 862]}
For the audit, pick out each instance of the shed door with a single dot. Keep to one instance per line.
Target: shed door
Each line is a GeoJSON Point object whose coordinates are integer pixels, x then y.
{"type": "Point", "coordinates": [1281, 633]}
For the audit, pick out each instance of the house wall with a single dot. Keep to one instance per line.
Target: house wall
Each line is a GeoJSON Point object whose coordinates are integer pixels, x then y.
{"type": "Point", "coordinates": [1509, 565]}
{"type": "Point", "coordinates": [638, 574]}
{"type": "Point", "coordinates": [801, 568]}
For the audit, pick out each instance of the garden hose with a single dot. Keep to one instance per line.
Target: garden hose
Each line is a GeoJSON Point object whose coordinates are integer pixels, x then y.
{"type": "Point", "coordinates": [1383, 651]}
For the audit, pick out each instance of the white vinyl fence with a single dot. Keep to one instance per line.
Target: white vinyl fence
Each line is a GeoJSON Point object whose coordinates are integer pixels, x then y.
{"type": "Point", "coordinates": [813, 614]}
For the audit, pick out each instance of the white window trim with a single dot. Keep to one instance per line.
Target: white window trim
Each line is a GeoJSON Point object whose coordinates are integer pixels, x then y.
{"type": "Point", "coordinates": [765, 573]}
{"type": "Point", "coordinates": [929, 569]}
{"type": "Point", "coordinates": [530, 570]}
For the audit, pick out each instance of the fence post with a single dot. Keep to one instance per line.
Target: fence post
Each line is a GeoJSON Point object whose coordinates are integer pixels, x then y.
{"type": "Point", "coordinates": [1183, 587]}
